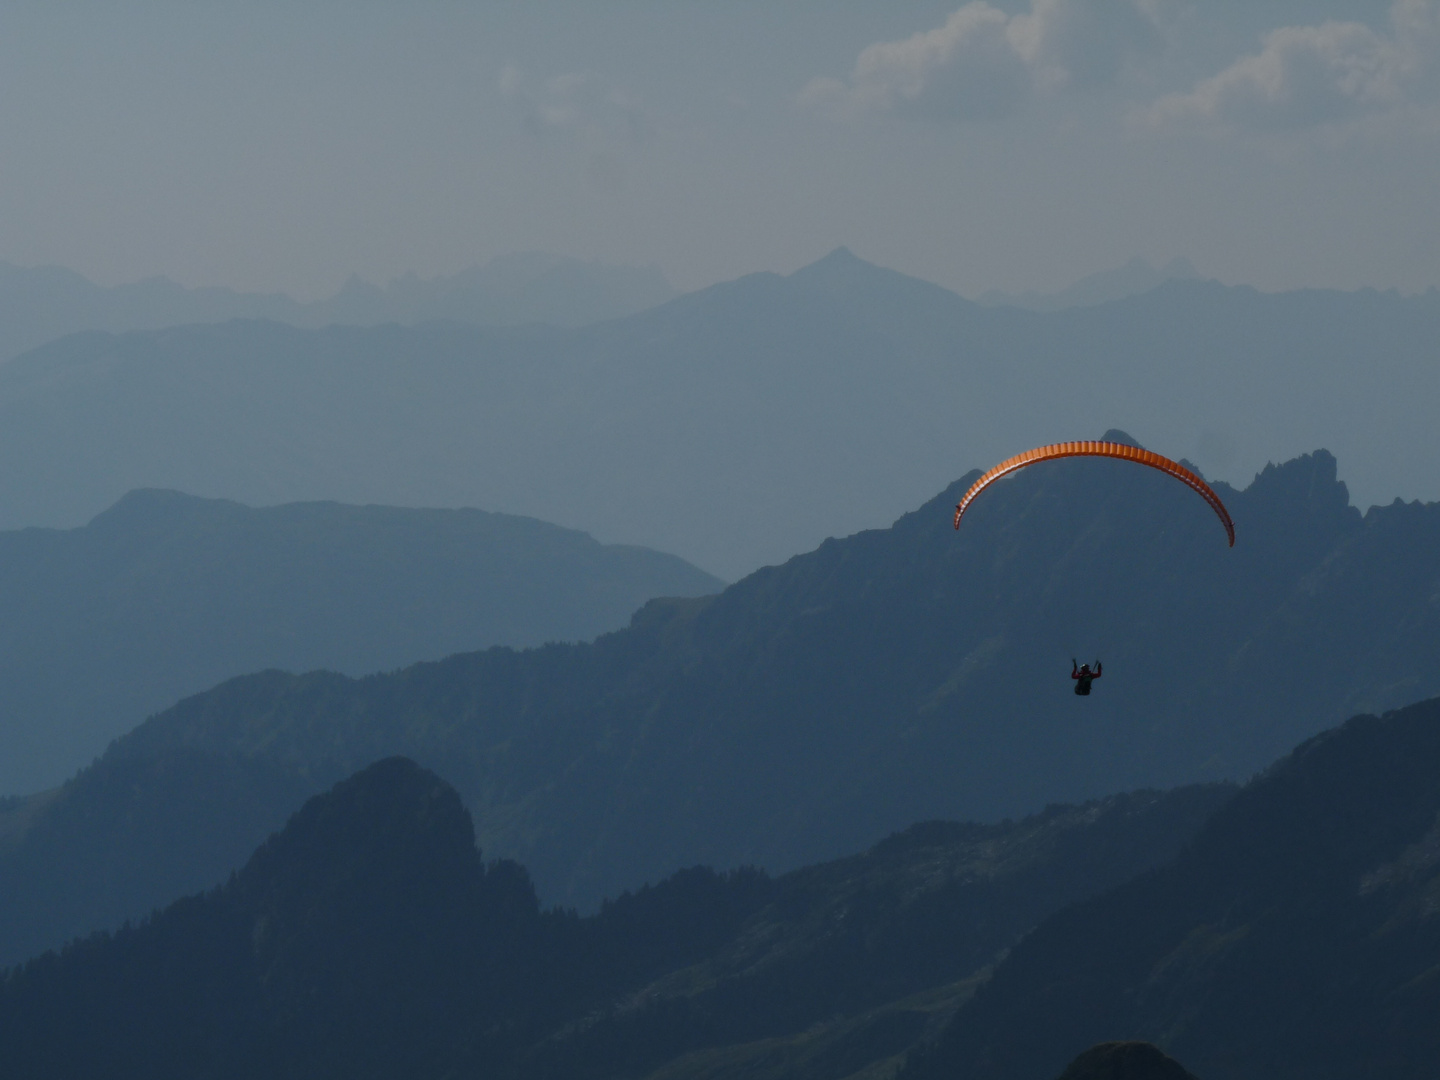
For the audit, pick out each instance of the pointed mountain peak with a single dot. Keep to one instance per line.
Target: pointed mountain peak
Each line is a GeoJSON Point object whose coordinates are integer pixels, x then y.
{"type": "Point", "coordinates": [845, 273]}
{"type": "Point", "coordinates": [1311, 479]}
{"type": "Point", "coordinates": [1115, 435]}
{"type": "Point", "coordinates": [842, 264]}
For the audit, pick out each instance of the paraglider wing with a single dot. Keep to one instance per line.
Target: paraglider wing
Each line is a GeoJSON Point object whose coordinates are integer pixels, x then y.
{"type": "Point", "coordinates": [1100, 449]}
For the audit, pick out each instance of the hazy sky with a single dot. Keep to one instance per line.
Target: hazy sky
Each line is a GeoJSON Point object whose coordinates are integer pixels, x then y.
{"type": "Point", "coordinates": [1008, 145]}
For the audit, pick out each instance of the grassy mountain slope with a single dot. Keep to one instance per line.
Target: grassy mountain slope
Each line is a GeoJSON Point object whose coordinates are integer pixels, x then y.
{"type": "Point", "coordinates": [164, 595]}
{"type": "Point", "coordinates": [734, 426]}
{"type": "Point", "coordinates": [1298, 935]}
{"type": "Point", "coordinates": [894, 676]}
{"type": "Point", "coordinates": [368, 938]}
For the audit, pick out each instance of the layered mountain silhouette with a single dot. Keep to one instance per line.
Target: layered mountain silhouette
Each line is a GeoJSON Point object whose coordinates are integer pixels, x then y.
{"type": "Point", "coordinates": [1135, 277]}
{"type": "Point", "coordinates": [898, 675]}
{"type": "Point", "coordinates": [39, 304]}
{"type": "Point", "coordinates": [164, 595]}
{"type": "Point", "coordinates": [512, 290]}
{"type": "Point", "coordinates": [1285, 931]}
{"type": "Point", "coordinates": [1298, 935]}
{"type": "Point", "coordinates": [369, 938]}
{"type": "Point", "coordinates": [734, 426]}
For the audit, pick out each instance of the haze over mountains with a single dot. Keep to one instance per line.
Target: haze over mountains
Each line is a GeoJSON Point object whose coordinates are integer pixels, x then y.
{"type": "Point", "coordinates": [421, 668]}
{"type": "Point", "coordinates": [893, 676]}
{"type": "Point", "coordinates": [734, 426]}
{"type": "Point", "coordinates": [41, 303]}
{"type": "Point", "coordinates": [1135, 277]}
{"type": "Point", "coordinates": [165, 594]}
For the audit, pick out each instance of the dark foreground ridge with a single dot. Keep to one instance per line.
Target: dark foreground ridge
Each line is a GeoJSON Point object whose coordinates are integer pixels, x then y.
{"type": "Point", "coordinates": [1297, 937]}
{"type": "Point", "coordinates": [890, 677]}
{"type": "Point", "coordinates": [1125, 1061]}
{"type": "Point", "coordinates": [1289, 931]}
{"type": "Point", "coordinates": [369, 938]}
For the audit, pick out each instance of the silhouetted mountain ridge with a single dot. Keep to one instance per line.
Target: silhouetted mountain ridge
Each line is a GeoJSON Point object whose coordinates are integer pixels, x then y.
{"type": "Point", "coordinates": [42, 303]}
{"type": "Point", "coordinates": [366, 908]}
{"type": "Point", "coordinates": [733, 426]}
{"type": "Point", "coordinates": [1296, 935]}
{"type": "Point", "coordinates": [164, 595]}
{"type": "Point", "coordinates": [1106, 286]}
{"type": "Point", "coordinates": [893, 676]}
{"type": "Point", "coordinates": [368, 938]}
{"type": "Point", "coordinates": [1285, 930]}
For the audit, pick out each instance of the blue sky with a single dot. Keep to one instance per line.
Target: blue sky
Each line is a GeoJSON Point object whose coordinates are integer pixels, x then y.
{"type": "Point", "coordinates": [271, 146]}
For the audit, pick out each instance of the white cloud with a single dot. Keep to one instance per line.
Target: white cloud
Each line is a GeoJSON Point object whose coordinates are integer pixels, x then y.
{"type": "Point", "coordinates": [1082, 43]}
{"type": "Point", "coordinates": [1306, 76]}
{"type": "Point", "coordinates": [984, 64]}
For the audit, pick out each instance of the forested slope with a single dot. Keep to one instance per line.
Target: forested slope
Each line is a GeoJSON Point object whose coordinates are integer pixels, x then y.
{"type": "Point", "coordinates": [1298, 935]}
{"type": "Point", "coordinates": [369, 938]}
{"type": "Point", "coordinates": [1287, 930]}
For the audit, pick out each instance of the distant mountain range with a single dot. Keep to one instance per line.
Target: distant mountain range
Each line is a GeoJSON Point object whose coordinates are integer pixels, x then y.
{"type": "Point", "coordinates": [42, 303]}
{"type": "Point", "coordinates": [735, 426]}
{"type": "Point", "coordinates": [164, 595]}
{"type": "Point", "coordinates": [1288, 931]}
{"type": "Point", "coordinates": [1135, 277]}
{"type": "Point", "coordinates": [369, 938]}
{"type": "Point", "coordinates": [894, 676]}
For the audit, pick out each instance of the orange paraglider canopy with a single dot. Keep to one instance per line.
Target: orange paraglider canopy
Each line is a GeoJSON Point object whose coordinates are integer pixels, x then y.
{"type": "Point", "coordinates": [1088, 448]}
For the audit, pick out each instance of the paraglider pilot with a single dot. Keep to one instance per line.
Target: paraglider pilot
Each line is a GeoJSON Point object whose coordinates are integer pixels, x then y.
{"type": "Point", "coordinates": [1083, 676]}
